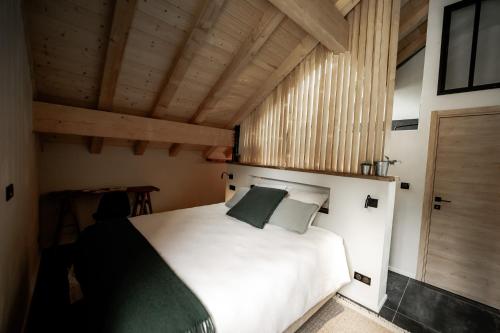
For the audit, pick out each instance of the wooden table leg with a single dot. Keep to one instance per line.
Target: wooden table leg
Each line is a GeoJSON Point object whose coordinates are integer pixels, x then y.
{"type": "Point", "coordinates": [143, 204]}
{"type": "Point", "coordinates": [149, 203]}
{"type": "Point", "coordinates": [136, 203]}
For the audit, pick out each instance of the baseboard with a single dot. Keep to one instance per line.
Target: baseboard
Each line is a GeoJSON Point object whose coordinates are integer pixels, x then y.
{"type": "Point", "coordinates": [32, 291]}
{"type": "Point", "coordinates": [402, 272]}
{"type": "Point", "coordinates": [381, 303]}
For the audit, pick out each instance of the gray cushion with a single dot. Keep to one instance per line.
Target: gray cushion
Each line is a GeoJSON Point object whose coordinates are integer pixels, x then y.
{"type": "Point", "coordinates": [240, 193]}
{"type": "Point", "coordinates": [293, 215]}
{"type": "Point", "coordinates": [257, 206]}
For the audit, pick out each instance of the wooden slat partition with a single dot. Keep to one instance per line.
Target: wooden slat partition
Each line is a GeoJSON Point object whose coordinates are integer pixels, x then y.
{"type": "Point", "coordinates": [333, 111]}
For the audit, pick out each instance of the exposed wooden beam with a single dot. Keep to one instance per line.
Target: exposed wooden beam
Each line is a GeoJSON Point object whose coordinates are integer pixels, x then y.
{"type": "Point", "coordinates": [306, 45]}
{"type": "Point", "coordinates": [122, 21]}
{"type": "Point", "coordinates": [298, 54]}
{"type": "Point", "coordinates": [60, 119]}
{"type": "Point", "coordinates": [345, 6]}
{"type": "Point", "coordinates": [321, 19]}
{"type": "Point", "coordinates": [413, 14]}
{"type": "Point", "coordinates": [140, 147]}
{"type": "Point", "coordinates": [228, 152]}
{"type": "Point", "coordinates": [412, 43]}
{"type": "Point", "coordinates": [199, 33]}
{"type": "Point", "coordinates": [268, 23]}
{"type": "Point", "coordinates": [209, 152]}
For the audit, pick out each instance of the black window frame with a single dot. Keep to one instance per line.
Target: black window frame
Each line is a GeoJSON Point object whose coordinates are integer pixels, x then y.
{"type": "Point", "coordinates": [443, 61]}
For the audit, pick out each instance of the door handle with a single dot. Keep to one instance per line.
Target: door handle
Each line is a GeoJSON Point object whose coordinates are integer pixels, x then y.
{"type": "Point", "coordinates": [439, 199]}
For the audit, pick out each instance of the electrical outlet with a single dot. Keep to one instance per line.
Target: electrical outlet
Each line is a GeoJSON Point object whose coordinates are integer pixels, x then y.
{"type": "Point", "coordinates": [9, 192]}
{"type": "Point", "coordinates": [362, 278]}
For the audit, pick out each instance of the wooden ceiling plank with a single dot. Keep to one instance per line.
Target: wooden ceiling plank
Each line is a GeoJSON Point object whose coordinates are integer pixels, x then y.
{"type": "Point", "coordinates": [247, 52]}
{"type": "Point", "coordinates": [305, 46]}
{"type": "Point", "coordinates": [345, 6]}
{"type": "Point", "coordinates": [413, 14]}
{"type": "Point", "coordinates": [123, 16]}
{"type": "Point", "coordinates": [320, 18]}
{"type": "Point", "coordinates": [199, 33]}
{"type": "Point", "coordinates": [268, 23]}
{"type": "Point", "coordinates": [412, 43]}
{"type": "Point", "coordinates": [61, 119]}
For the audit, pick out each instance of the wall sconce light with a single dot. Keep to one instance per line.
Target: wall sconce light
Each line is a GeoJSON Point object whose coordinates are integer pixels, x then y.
{"type": "Point", "coordinates": [370, 202]}
{"type": "Point", "coordinates": [229, 175]}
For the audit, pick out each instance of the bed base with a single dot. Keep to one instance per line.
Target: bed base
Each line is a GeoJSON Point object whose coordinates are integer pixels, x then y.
{"type": "Point", "coordinates": [299, 322]}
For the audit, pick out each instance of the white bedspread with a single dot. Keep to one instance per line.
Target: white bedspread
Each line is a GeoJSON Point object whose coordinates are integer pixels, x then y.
{"type": "Point", "coordinates": [250, 280]}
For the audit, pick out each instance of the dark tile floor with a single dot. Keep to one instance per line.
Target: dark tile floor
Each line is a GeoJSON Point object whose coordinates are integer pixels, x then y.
{"type": "Point", "coordinates": [419, 307]}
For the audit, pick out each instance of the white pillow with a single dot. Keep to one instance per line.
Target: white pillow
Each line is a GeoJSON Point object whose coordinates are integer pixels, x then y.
{"type": "Point", "coordinates": [311, 197]}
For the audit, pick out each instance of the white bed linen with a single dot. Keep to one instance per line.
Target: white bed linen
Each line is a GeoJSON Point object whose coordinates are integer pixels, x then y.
{"type": "Point", "coordinates": [250, 280]}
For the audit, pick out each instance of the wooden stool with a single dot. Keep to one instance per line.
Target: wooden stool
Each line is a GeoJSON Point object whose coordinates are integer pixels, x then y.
{"type": "Point", "coordinates": [142, 202]}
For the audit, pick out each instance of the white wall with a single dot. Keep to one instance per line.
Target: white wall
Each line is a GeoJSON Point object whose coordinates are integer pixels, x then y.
{"type": "Point", "coordinates": [409, 88]}
{"type": "Point", "coordinates": [366, 231]}
{"type": "Point", "coordinates": [403, 146]}
{"type": "Point", "coordinates": [18, 217]}
{"type": "Point", "coordinates": [407, 232]}
{"type": "Point", "coordinates": [184, 181]}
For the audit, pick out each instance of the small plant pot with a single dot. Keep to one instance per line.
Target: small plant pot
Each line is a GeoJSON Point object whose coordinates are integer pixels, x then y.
{"type": "Point", "coordinates": [366, 168]}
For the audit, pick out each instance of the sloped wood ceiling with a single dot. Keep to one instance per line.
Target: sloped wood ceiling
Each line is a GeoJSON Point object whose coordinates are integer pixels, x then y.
{"type": "Point", "coordinates": [69, 39]}
{"type": "Point", "coordinates": [73, 43]}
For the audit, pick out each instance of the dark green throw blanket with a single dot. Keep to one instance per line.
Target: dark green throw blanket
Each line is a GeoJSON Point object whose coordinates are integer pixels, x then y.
{"type": "Point", "coordinates": [129, 288]}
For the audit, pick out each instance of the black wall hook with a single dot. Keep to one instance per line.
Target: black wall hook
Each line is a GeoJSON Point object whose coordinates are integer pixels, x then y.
{"type": "Point", "coordinates": [370, 202]}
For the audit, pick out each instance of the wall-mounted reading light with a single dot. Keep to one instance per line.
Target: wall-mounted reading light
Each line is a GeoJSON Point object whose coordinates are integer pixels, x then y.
{"type": "Point", "coordinates": [370, 202]}
{"type": "Point", "coordinates": [229, 175]}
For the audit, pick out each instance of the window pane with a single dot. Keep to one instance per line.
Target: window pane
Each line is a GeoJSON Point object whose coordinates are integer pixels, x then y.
{"type": "Point", "coordinates": [459, 47]}
{"type": "Point", "coordinates": [488, 44]}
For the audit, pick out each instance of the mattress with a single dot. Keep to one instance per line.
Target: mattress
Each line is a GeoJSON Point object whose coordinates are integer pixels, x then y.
{"type": "Point", "coordinates": [249, 279]}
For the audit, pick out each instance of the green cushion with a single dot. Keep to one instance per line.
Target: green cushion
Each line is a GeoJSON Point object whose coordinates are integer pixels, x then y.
{"type": "Point", "coordinates": [257, 206]}
{"type": "Point", "coordinates": [293, 215]}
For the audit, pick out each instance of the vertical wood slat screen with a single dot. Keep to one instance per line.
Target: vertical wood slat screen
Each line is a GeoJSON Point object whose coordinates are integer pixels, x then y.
{"type": "Point", "coordinates": [334, 110]}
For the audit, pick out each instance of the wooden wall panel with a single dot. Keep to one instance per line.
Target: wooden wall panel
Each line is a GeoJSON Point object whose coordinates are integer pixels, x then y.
{"type": "Point", "coordinates": [332, 112]}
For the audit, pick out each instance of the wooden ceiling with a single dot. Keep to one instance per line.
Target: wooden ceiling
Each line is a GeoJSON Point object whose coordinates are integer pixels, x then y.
{"type": "Point", "coordinates": [412, 29]}
{"type": "Point", "coordinates": [195, 61]}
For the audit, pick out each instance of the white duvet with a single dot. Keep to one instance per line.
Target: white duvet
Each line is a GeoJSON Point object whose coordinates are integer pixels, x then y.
{"type": "Point", "coordinates": [249, 279]}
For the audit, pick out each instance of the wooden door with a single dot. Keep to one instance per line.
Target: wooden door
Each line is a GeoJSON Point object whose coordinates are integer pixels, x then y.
{"type": "Point", "coordinates": [463, 249]}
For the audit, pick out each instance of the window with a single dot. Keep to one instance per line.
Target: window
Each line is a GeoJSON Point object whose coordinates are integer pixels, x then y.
{"type": "Point", "coordinates": [470, 49]}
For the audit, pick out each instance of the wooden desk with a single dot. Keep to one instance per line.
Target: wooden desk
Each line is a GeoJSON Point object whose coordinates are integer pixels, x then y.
{"type": "Point", "coordinates": [142, 203]}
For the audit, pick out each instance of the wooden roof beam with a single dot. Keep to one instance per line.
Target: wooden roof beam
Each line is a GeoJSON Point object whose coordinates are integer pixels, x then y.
{"type": "Point", "coordinates": [61, 119]}
{"type": "Point", "coordinates": [413, 14]}
{"type": "Point", "coordinates": [199, 33]}
{"type": "Point", "coordinates": [268, 23]}
{"type": "Point", "coordinates": [122, 21]}
{"type": "Point", "coordinates": [321, 19]}
{"type": "Point", "coordinates": [306, 45]}
{"type": "Point", "coordinates": [412, 43]}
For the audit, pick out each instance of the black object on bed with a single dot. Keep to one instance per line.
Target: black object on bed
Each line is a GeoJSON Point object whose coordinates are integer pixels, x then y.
{"type": "Point", "coordinates": [130, 288]}
{"type": "Point", "coordinates": [112, 205]}
{"type": "Point", "coordinates": [257, 206]}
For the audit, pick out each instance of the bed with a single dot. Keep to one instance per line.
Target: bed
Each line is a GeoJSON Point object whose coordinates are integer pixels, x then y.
{"type": "Point", "coordinates": [249, 279]}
